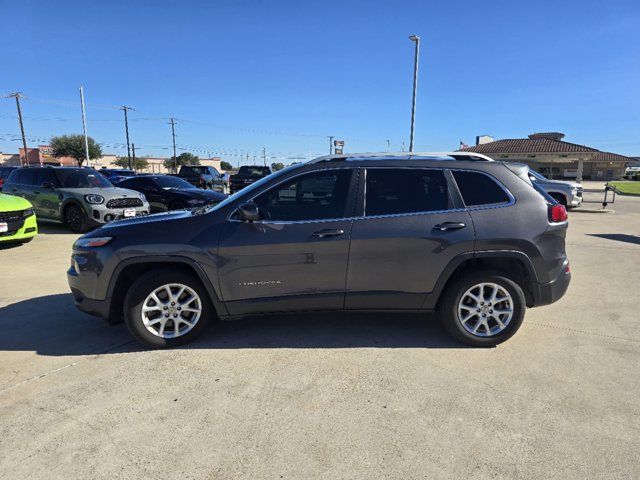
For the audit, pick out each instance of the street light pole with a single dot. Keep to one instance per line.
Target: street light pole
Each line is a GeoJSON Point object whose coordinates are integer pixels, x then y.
{"type": "Point", "coordinates": [173, 136]}
{"type": "Point", "coordinates": [84, 127]}
{"type": "Point", "coordinates": [416, 39]}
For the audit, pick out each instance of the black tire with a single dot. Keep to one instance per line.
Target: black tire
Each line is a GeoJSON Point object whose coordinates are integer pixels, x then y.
{"type": "Point", "coordinates": [449, 308]}
{"type": "Point", "coordinates": [75, 219]}
{"type": "Point", "coordinates": [561, 199]}
{"type": "Point", "coordinates": [148, 283]}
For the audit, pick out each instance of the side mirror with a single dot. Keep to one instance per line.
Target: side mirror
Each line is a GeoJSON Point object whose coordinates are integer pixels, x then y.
{"type": "Point", "coordinates": [249, 212]}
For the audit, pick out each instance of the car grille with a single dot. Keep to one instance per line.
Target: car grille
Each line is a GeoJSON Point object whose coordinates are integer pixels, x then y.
{"type": "Point", "coordinates": [13, 227]}
{"type": "Point", "coordinates": [11, 216]}
{"type": "Point", "coordinates": [124, 202]}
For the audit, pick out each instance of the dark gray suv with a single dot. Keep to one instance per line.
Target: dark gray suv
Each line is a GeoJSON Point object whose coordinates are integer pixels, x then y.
{"type": "Point", "coordinates": [472, 239]}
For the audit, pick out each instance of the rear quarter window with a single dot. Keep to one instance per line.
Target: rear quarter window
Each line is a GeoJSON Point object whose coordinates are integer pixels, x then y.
{"type": "Point", "coordinates": [479, 189]}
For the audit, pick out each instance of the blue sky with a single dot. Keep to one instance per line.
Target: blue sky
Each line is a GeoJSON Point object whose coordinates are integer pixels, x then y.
{"type": "Point", "coordinates": [242, 75]}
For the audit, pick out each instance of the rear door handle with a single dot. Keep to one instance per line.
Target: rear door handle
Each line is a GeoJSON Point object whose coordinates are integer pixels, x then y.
{"type": "Point", "coordinates": [449, 226]}
{"type": "Point", "coordinates": [327, 233]}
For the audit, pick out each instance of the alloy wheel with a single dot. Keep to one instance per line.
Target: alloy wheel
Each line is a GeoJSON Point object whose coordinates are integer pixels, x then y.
{"type": "Point", "coordinates": [485, 309]}
{"type": "Point", "coordinates": [171, 310]}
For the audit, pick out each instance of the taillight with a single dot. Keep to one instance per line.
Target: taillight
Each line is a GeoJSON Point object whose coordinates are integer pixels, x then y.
{"type": "Point", "coordinates": [1, 181]}
{"type": "Point", "coordinates": [557, 213]}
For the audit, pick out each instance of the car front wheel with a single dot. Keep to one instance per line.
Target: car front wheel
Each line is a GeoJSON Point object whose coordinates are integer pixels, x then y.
{"type": "Point", "coordinates": [75, 219]}
{"type": "Point", "coordinates": [483, 309]}
{"type": "Point", "coordinates": [167, 308]}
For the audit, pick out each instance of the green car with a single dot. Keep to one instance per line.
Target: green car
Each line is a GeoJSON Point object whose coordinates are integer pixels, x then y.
{"type": "Point", "coordinates": [17, 220]}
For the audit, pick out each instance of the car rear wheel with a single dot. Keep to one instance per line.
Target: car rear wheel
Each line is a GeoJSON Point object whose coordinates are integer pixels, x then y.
{"type": "Point", "coordinates": [483, 309]}
{"type": "Point", "coordinates": [75, 219]}
{"type": "Point", "coordinates": [167, 308]}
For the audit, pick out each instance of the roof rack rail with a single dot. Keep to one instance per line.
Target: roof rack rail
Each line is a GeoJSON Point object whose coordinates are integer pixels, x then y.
{"type": "Point", "coordinates": [469, 156]}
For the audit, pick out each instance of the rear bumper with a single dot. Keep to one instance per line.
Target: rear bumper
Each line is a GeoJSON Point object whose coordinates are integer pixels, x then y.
{"type": "Point", "coordinates": [551, 292]}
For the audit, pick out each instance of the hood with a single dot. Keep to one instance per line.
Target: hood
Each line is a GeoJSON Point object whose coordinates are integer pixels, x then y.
{"type": "Point", "coordinates": [147, 219]}
{"type": "Point", "coordinates": [564, 182]}
{"type": "Point", "coordinates": [199, 194]}
{"type": "Point", "coordinates": [10, 203]}
{"type": "Point", "coordinates": [107, 193]}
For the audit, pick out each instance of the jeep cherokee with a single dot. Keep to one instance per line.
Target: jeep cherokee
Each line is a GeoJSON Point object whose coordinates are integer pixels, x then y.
{"type": "Point", "coordinates": [472, 239]}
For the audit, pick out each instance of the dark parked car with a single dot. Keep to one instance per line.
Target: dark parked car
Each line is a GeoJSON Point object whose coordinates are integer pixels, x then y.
{"type": "Point", "coordinates": [115, 175]}
{"type": "Point", "coordinates": [246, 176]}
{"type": "Point", "coordinates": [202, 176]}
{"type": "Point", "coordinates": [165, 193]}
{"type": "Point", "coordinates": [474, 240]}
{"type": "Point", "coordinates": [4, 174]}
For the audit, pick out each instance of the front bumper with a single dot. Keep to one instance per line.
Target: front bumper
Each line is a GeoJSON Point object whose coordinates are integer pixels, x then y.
{"type": "Point", "coordinates": [28, 230]}
{"type": "Point", "coordinates": [100, 214]}
{"type": "Point", "coordinates": [551, 292]}
{"type": "Point", "coordinates": [98, 308]}
{"type": "Point", "coordinates": [576, 201]}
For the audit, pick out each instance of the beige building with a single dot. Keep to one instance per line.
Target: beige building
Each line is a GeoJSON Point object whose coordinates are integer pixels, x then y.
{"type": "Point", "coordinates": [42, 155]}
{"type": "Point", "coordinates": [548, 154]}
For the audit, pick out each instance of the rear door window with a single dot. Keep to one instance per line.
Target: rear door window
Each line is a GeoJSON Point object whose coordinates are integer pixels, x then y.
{"type": "Point", "coordinates": [479, 189]}
{"type": "Point", "coordinates": [392, 191]}
{"type": "Point", "coordinates": [28, 176]}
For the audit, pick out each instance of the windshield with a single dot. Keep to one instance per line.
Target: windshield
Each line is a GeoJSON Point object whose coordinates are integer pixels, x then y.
{"type": "Point", "coordinates": [253, 171]}
{"type": "Point", "coordinates": [247, 190]}
{"type": "Point", "coordinates": [167, 183]}
{"type": "Point", "coordinates": [194, 170]}
{"type": "Point", "coordinates": [82, 178]}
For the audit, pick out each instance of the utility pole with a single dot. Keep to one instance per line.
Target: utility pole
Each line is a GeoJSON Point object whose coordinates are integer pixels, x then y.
{"type": "Point", "coordinates": [124, 108]}
{"type": "Point", "coordinates": [416, 39]}
{"type": "Point", "coordinates": [264, 156]}
{"type": "Point", "coordinates": [133, 151]}
{"type": "Point", "coordinates": [388, 145]}
{"type": "Point", "coordinates": [330, 145]}
{"type": "Point", "coordinates": [173, 135]}
{"type": "Point", "coordinates": [17, 96]}
{"type": "Point", "coordinates": [84, 127]}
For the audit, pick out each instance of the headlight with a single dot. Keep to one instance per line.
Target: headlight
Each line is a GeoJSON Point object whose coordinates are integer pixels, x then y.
{"type": "Point", "coordinates": [94, 199]}
{"type": "Point", "coordinates": [144, 199]}
{"type": "Point", "coordinates": [92, 242]}
{"type": "Point", "coordinates": [28, 212]}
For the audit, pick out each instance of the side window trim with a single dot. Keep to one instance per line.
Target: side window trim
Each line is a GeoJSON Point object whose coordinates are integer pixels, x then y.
{"type": "Point", "coordinates": [456, 207]}
{"type": "Point", "coordinates": [511, 201]}
{"type": "Point", "coordinates": [350, 207]}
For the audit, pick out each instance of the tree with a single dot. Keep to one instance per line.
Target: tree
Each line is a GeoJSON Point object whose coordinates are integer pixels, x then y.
{"type": "Point", "coordinates": [277, 166]}
{"type": "Point", "coordinates": [140, 163]}
{"type": "Point", "coordinates": [226, 166]}
{"type": "Point", "coordinates": [73, 146]}
{"type": "Point", "coordinates": [184, 158]}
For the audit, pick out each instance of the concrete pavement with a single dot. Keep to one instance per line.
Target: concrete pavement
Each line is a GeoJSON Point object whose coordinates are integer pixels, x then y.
{"type": "Point", "coordinates": [326, 396]}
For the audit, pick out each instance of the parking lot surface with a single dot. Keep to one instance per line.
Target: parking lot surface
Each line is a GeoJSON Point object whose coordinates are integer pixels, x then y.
{"type": "Point", "coordinates": [327, 396]}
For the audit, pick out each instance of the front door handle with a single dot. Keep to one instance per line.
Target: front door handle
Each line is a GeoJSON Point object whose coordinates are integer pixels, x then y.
{"type": "Point", "coordinates": [327, 233]}
{"type": "Point", "coordinates": [449, 226]}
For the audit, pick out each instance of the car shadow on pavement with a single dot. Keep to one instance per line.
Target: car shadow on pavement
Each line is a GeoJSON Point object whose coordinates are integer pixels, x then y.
{"type": "Point", "coordinates": [620, 237]}
{"type": "Point", "coordinates": [51, 325]}
{"type": "Point", "coordinates": [47, 228]}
